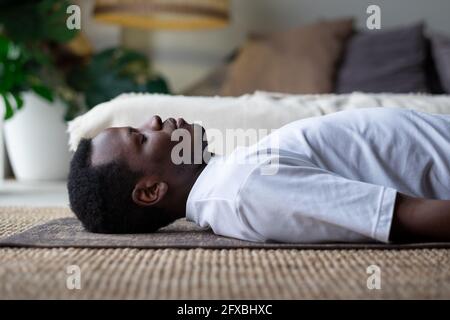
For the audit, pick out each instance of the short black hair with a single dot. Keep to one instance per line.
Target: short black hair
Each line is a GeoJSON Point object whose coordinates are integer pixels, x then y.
{"type": "Point", "coordinates": [100, 196]}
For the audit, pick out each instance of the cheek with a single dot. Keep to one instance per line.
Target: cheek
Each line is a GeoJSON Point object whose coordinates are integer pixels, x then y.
{"type": "Point", "coordinates": [158, 147]}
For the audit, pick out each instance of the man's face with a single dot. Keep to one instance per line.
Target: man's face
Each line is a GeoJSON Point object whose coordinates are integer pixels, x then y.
{"type": "Point", "coordinates": [141, 148]}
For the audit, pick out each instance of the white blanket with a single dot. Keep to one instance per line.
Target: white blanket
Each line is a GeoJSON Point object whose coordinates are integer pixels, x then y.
{"type": "Point", "coordinates": [261, 110]}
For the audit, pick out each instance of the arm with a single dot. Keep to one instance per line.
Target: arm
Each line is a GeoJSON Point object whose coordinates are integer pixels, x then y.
{"type": "Point", "coordinates": [418, 219]}
{"type": "Point", "coordinates": [306, 204]}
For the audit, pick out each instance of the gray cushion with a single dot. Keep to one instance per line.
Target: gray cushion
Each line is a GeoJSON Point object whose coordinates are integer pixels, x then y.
{"type": "Point", "coordinates": [441, 55]}
{"type": "Point", "coordinates": [385, 61]}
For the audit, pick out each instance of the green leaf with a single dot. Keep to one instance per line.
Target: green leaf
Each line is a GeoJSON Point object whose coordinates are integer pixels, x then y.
{"type": "Point", "coordinates": [4, 47]}
{"type": "Point", "coordinates": [9, 109]}
{"type": "Point", "coordinates": [21, 21]}
{"type": "Point", "coordinates": [35, 21]}
{"type": "Point", "coordinates": [43, 91]}
{"type": "Point", "coordinates": [19, 100]}
{"type": "Point", "coordinates": [55, 23]}
{"type": "Point", "coordinates": [158, 85]}
{"type": "Point", "coordinates": [112, 72]}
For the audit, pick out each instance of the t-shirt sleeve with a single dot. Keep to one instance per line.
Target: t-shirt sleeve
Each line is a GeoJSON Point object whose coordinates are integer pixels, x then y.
{"type": "Point", "coordinates": [306, 204]}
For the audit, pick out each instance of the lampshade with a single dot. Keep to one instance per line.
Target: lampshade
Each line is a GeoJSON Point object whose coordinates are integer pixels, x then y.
{"type": "Point", "coordinates": [163, 14]}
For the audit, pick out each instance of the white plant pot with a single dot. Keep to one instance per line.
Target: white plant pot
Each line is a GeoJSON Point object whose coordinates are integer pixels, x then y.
{"type": "Point", "coordinates": [37, 141]}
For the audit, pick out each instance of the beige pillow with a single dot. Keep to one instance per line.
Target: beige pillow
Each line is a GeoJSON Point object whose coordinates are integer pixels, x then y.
{"type": "Point", "coordinates": [301, 60]}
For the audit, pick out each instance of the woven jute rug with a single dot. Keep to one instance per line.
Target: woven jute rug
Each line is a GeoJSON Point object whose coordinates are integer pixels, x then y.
{"type": "Point", "coordinates": [130, 273]}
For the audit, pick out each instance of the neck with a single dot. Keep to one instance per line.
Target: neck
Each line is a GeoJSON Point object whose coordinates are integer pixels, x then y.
{"type": "Point", "coordinates": [185, 189]}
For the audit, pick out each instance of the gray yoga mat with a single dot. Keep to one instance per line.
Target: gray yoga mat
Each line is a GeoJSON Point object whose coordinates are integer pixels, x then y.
{"type": "Point", "coordinates": [68, 232]}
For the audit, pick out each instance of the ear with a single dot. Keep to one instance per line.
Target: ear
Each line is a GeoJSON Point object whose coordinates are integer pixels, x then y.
{"type": "Point", "coordinates": [149, 191]}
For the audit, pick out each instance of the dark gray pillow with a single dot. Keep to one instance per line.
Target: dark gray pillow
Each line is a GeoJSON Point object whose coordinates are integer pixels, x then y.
{"type": "Point", "coordinates": [384, 61]}
{"type": "Point", "coordinates": [441, 55]}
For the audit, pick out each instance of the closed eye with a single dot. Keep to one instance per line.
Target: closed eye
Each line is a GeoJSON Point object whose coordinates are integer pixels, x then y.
{"type": "Point", "coordinates": [142, 137]}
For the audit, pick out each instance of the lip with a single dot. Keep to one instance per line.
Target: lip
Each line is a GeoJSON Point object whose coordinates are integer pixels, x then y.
{"type": "Point", "coordinates": [172, 121]}
{"type": "Point", "coordinates": [180, 122]}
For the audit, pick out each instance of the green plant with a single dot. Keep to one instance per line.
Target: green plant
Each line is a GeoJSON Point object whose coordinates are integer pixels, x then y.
{"type": "Point", "coordinates": [30, 32]}
{"type": "Point", "coordinates": [33, 57]}
{"type": "Point", "coordinates": [15, 78]}
{"type": "Point", "coordinates": [112, 72]}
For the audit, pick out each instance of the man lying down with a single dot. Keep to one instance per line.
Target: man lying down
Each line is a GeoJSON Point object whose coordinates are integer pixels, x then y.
{"type": "Point", "coordinates": [353, 176]}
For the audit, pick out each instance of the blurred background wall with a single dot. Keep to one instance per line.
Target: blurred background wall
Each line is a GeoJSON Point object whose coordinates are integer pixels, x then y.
{"type": "Point", "coordinates": [184, 57]}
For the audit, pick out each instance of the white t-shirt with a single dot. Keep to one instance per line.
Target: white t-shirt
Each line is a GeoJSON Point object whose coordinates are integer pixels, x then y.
{"type": "Point", "coordinates": [336, 177]}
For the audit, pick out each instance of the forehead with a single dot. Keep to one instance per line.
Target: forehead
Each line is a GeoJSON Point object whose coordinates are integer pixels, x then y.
{"type": "Point", "coordinates": [107, 146]}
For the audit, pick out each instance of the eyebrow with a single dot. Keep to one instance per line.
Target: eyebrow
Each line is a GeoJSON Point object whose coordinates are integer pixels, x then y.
{"type": "Point", "coordinates": [128, 134]}
{"type": "Point", "coordinates": [129, 130]}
